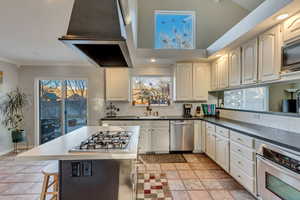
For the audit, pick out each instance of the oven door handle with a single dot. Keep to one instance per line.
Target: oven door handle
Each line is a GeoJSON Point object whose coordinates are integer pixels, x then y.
{"type": "Point", "coordinates": [278, 167]}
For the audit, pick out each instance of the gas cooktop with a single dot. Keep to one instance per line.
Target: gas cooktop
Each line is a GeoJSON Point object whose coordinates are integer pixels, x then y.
{"type": "Point", "coordinates": [104, 141]}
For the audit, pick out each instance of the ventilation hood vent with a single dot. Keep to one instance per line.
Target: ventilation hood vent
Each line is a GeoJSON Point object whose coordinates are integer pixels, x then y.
{"type": "Point", "coordinates": [97, 31]}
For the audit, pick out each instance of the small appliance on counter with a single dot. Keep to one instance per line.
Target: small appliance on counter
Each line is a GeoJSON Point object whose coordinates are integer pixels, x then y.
{"type": "Point", "coordinates": [187, 110]}
{"type": "Point", "coordinates": [290, 105]}
{"type": "Point", "coordinates": [198, 111]}
{"type": "Point", "coordinates": [111, 110]}
{"type": "Point", "coordinates": [209, 109]}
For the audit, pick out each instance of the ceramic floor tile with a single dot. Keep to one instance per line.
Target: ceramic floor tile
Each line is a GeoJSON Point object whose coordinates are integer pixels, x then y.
{"type": "Point", "coordinates": [210, 166]}
{"type": "Point", "coordinates": [212, 184]}
{"type": "Point", "coordinates": [193, 184]}
{"type": "Point", "coordinates": [191, 158]}
{"type": "Point", "coordinates": [18, 189]}
{"type": "Point", "coordinates": [204, 174]}
{"type": "Point", "coordinates": [32, 169]}
{"type": "Point", "coordinates": [182, 166]}
{"type": "Point", "coordinates": [187, 174]}
{"type": "Point", "coordinates": [153, 167]}
{"type": "Point", "coordinates": [22, 178]}
{"type": "Point", "coordinates": [167, 166]}
{"type": "Point", "coordinates": [180, 195]}
{"type": "Point", "coordinates": [4, 187]}
{"type": "Point", "coordinates": [241, 195]}
{"type": "Point", "coordinates": [172, 174]}
{"type": "Point", "coordinates": [199, 195]}
{"type": "Point", "coordinates": [220, 195]}
{"type": "Point", "coordinates": [230, 184]}
{"type": "Point", "coordinates": [219, 174]}
{"type": "Point", "coordinates": [196, 166]}
{"type": "Point", "coordinates": [176, 185]}
{"type": "Point", "coordinates": [11, 169]}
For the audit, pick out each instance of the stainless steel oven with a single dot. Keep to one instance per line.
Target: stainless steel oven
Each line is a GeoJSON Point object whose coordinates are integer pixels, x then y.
{"type": "Point", "coordinates": [278, 173]}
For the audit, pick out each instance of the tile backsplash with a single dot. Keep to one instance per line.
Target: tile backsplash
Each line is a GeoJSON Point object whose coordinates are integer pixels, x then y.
{"type": "Point", "coordinates": [275, 121]}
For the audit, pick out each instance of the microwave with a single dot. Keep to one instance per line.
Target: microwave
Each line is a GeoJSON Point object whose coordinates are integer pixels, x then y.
{"type": "Point", "coordinates": [291, 57]}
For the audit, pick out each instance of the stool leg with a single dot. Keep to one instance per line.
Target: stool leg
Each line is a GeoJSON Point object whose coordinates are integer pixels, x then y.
{"type": "Point", "coordinates": [45, 187]}
{"type": "Point", "coordinates": [56, 188]}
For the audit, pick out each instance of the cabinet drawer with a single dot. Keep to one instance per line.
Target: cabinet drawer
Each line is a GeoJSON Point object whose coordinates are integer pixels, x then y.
{"type": "Point", "coordinates": [210, 127]}
{"type": "Point", "coordinates": [222, 131]}
{"type": "Point", "coordinates": [242, 151]}
{"type": "Point", "coordinates": [243, 178]}
{"type": "Point", "coordinates": [246, 165]}
{"type": "Point", "coordinates": [242, 139]}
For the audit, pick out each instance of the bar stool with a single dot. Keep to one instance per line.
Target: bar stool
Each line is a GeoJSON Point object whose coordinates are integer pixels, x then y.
{"type": "Point", "coordinates": [50, 174]}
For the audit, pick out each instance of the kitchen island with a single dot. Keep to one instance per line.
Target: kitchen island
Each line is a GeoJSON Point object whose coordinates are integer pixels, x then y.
{"type": "Point", "coordinates": [94, 175]}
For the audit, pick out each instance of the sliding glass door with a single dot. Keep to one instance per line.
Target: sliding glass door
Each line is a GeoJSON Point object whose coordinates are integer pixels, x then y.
{"type": "Point", "coordinates": [62, 107]}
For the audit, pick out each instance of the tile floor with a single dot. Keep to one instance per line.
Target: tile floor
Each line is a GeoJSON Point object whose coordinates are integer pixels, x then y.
{"type": "Point", "coordinates": [199, 179]}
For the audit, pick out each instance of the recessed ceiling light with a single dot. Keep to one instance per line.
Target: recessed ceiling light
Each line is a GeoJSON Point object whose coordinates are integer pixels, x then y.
{"type": "Point", "coordinates": [283, 16]}
{"type": "Point", "coordinates": [153, 60]}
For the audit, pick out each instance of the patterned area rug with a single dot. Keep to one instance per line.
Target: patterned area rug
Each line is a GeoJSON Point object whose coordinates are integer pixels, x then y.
{"type": "Point", "coordinates": [162, 158]}
{"type": "Point", "coordinates": [153, 186]}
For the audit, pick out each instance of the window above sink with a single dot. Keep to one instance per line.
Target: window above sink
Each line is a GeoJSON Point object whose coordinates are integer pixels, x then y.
{"type": "Point", "coordinates": [151, 90]}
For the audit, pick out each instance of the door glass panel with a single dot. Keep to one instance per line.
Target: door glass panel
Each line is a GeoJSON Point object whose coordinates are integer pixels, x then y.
{"type": "Point", "coordinates": [281, 189]}
{"type": "Point", "coordinates": [75, 104]}
{"type": "Point", "coordinates": [50, 107]}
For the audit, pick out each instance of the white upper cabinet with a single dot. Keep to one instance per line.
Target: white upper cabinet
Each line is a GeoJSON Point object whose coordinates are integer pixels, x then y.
{"type": "Point", "coordinates": [184, 81]}
{"type": "Point", "coordinates": [117, 84]}
{"type": "Point", "coordinates": [235, 67]}
{"type": "Point", "coordinates": [249, 62]}
{"type": "Point", "coordinates": [291, 28]}
{"type": "Point", "coordinates": [269, 56]}
{"type": "Point", "coordinates": [201, 81]}
{"type": "Point", "coordinates": [192, 81]}
{"type": "Point", "coordinates": [223, 72]}
{"type": "Point", "coordinates": [214, 76]}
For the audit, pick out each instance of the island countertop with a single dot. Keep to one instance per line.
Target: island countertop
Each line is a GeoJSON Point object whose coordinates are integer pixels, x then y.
{"type": "Point", "coordinates": [58, 149]}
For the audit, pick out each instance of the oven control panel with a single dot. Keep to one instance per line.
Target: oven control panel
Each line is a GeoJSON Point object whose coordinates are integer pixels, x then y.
{"type": "Point", "coordinates": [282, 160]}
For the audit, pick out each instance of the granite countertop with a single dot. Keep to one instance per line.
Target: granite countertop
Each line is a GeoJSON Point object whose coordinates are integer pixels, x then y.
{"type": "Point", "coordinates": [58, 149]}
{"type": "Point", "coordinates": [286, 139]}
{"type": "Point", "coordinates": [132, 118]}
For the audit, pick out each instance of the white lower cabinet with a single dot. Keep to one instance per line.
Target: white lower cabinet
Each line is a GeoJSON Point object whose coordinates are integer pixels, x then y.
{"type": "Point", "coordinates": [217, 145]}
{"type": "Point", "coordinates": [197, 137]}
{"type": "Point", "coordinates": [234, 152]}
{"type": "Point", "coordinates": [222, 152]}
{"type": "Point", "coordinates": [242, 160]}
{"type": "Point", "coordinates": [160, 140]}
{"type": "Point", "coordinates": [211, 144]}
{"type": "Point", "coordinates": [154, 135]}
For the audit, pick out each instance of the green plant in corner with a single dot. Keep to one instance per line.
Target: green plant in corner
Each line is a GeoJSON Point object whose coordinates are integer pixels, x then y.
{"type": "Point", "coordinates": [11, 107]}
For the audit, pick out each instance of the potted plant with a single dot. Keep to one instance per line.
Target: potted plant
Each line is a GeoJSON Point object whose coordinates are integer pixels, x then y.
{"type": "Point", "coordinates": [12, 110]}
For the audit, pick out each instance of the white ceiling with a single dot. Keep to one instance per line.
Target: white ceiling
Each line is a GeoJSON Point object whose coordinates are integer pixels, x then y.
{"type": "Point", "coordinates": [248, 4]}
{"type": "Point", "coordinates": [30, 29]}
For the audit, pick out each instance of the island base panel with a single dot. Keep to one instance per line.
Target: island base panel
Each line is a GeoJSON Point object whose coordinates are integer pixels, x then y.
{"type": "Point", "coordinates": [89, 179]}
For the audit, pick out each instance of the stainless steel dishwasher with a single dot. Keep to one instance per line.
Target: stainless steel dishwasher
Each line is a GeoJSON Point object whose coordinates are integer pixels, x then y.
{"type": "Point", "coordinates": [182, 135]}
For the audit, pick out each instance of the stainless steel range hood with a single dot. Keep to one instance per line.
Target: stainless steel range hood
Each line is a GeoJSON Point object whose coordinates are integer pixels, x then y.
{"type": "Point", "coordinates": [97, 31]}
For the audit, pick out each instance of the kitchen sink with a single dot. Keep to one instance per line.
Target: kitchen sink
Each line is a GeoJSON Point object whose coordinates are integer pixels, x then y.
{"type": "Point", "coordinates": [150, 117]}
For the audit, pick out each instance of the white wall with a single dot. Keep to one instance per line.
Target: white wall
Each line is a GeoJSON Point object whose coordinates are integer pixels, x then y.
{"type": "Point", "coordinates": [95, 76]}
{"type": "Point", "coordinates": [10, 82]}
{"type": "Point", "coordinates": [212, 19]}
